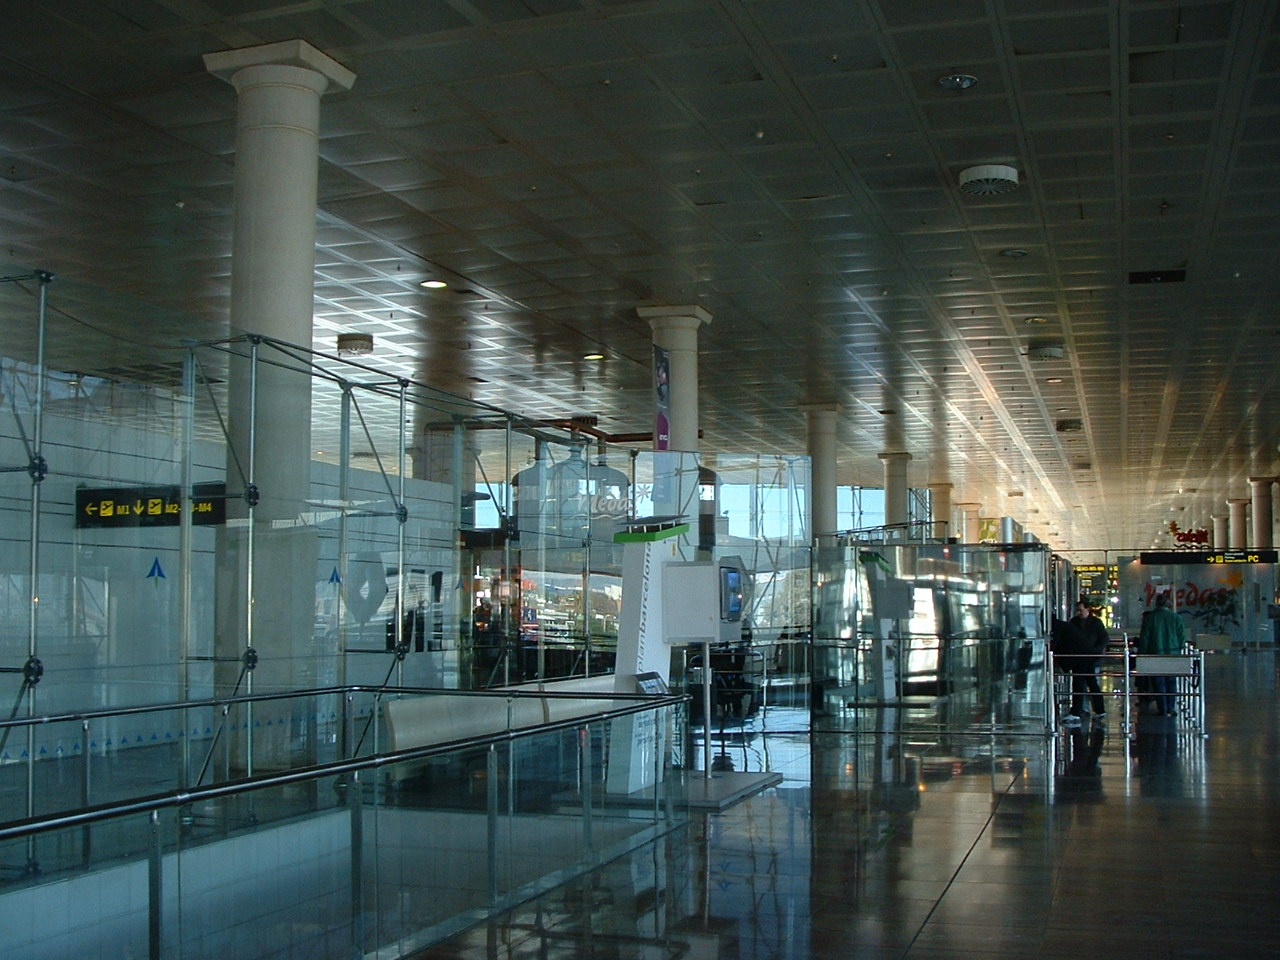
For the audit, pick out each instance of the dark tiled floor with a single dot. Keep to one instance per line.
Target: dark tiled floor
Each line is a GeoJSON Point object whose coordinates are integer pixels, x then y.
{"type": "Point", "coordinates": [890, 846]}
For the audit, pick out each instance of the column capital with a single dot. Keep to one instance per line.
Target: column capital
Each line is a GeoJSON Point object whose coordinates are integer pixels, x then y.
{"type": "Point", "coordinates": [894, 455]}
{"type": "Point", "coordinates": [941, 485]}
{"type": "Point", "coordinates": [689, 316]}
{"type": "Point", "coordinates": [1239, 500]}
{"type": "Point", "coordinates": [1267, 480]}
{"type": "Point", "coordinates": [291, 53]}
{"type": "Point", "coordinates": [820, 407]}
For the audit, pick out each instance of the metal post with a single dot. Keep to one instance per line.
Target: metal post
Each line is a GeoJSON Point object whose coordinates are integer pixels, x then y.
{"type": "Point", "coordinates": [584, 790]}
{"type": "Point", "coordinates": [1201, 687]}
{"type": "Point", "coordinates": [1127, 725]}
{"type": "Point", "coordinates": [344, 498]}
{"type": "Point", "coordinates": [251, 498]}
{"type": "Point", "coordinates": [185, 543]}
{"type": "Point", "coordinates": [86, 793]}
{"type": "Point", "coordinates": [1051, 699]}
{"type": "Point", "coordinates": [492, 794]}
{"type": "Point", "coordinates": [511, 584]}
{"type": "Point", "coordinates": [155, 890]}
{"type": "Point", "coordinates": [706, 709]}
{"type": "Point", "coordinates": [402, 516]}
{"type": "Point", "coordinates": [37, 469]}
{"type": "Point", "coordinates": [661, 731]}
{"type": "Point", "coordinates": [355, 801]}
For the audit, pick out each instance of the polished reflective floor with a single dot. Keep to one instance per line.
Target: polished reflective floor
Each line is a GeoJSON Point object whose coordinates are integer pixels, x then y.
{"type": "Point", "coordinates": [892, 845]}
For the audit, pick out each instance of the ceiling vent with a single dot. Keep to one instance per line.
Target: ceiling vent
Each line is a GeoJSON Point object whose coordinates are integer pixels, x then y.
{"type": "Point", "coordinates": [1045, 350]}
{"type": "Point", "coordinates": [987, 179]}
{"type": "Point", "coordinates": [1070, 426]}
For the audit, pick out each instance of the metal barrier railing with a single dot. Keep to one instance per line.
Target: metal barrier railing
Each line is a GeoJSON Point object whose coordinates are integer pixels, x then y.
{"type": "Point", "coordinates": [1133, 679]}
{"type": "Point", "coordinates": [155, 840]}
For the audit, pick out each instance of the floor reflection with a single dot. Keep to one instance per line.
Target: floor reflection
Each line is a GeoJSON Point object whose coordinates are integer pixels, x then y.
{"type": "Point", "coordinates": [910, 846]}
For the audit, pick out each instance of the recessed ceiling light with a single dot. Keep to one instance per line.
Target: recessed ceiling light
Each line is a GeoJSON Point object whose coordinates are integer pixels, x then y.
{"type": "Point", "coordinates": [355, 343]}
{"type": "Point", "coordinates": [594, 356]}
{"type": "Point", "coordinates": [1015, 253]}
{"type": "Point", "coordinates": [887, 412]}
{"type": "Point", "coordinates": [1054, 380]}
{"type": "Point", "coordinates": [433, 284]}
{"type": "Point", "coordinates": [957, 81]}
{"type": "Point", "coordinates": [1035, 321]}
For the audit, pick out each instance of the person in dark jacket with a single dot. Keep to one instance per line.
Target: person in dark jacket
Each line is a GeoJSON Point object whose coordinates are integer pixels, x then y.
{"type": "Point", "coordinates": [1084, 668]}
{"type": "Point", "coordinates": [1068, 645]}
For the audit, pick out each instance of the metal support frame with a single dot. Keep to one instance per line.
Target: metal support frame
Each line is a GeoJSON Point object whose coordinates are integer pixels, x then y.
{"type": "Point", "coordinates": [37, 468]}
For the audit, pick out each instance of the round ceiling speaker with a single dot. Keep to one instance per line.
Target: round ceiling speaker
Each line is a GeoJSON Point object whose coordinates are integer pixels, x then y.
{"type": "Point", "coordinates": [987, 179]}
{"type": "Point", "coordinates": [1045, 350]}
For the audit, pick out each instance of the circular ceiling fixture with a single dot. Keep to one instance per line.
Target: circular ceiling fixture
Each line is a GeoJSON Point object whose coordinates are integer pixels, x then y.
{"type": "Point", "coordinates": [987, 179]}
{"type": "Point", "coordinates": [355, 343]}
{"type": "Point", "coordinates": [957, 81]}
{"type": "Point", "coordinates": [1045, 350]}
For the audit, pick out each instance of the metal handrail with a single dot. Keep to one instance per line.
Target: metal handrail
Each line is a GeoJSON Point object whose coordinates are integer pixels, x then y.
{"type": "Point", "coordinates": [31, 826]}
{"type": "Point", "coordinates": [47, 719]}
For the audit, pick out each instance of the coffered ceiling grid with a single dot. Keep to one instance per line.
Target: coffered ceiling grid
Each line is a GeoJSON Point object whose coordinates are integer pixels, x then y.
{"type": "Point", "coordinates": [791, 167]}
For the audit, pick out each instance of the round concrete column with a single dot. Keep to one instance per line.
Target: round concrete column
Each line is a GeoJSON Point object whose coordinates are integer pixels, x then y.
{"type": "Point", "coordinates": [1219, 521]}
{"type": "Point", "coordinates": [821, 421]}
{"type": "Point", "coordinates": [1237, 524]}
{"type": "Point", "coordinates": [969, 527]}
{"type": "Point", "coordinates": [267, 570]}
{"type": "Point", "coordinates": [895, 488]}
{"type": "Point", "coordinates": [1261, 487]}
{"type": "Point", "coordinates": [940, 510]}
{"type": "Point", "coordinates": [273, 255]}
{"type": "Point", "coordinates": [675, 331]}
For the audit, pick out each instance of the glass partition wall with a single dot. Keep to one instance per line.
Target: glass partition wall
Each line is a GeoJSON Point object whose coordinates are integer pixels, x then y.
{"type": "Point", "coordinates": [260, 518]}
{"type": "Point", "coordinates": [225, 563]}
{"type": "Point", "coordinates": [937, 636]}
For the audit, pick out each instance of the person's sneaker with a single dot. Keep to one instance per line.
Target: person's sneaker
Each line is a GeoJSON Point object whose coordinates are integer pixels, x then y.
{"type": "Point", "coordinates": [1071, 720]}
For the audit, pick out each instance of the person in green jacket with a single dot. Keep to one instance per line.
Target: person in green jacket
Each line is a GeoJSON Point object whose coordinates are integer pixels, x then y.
{"type": "Point", "coordinates": [1163, 632]}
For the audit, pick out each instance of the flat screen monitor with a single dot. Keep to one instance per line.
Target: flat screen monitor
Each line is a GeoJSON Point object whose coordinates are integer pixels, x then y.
{"type": "Point", "coordinates": [731, 587]}
{"type": "Point", "coordinates": [652, 683]}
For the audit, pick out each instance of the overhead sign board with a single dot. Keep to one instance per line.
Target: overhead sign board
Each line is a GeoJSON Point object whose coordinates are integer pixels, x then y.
{"type": "Point", "coordinates": [1209, 556]}
{"type": "Point", "coordinates": [157, 506]}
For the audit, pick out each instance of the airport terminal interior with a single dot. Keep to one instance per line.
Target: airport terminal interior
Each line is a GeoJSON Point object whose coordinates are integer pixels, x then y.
{"type": "Point", "coordinates": [510, 479]}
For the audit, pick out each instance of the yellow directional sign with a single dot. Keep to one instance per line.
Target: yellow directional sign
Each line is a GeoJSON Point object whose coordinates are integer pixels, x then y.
{"type": "Point", "coordinates": [158, 506]}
